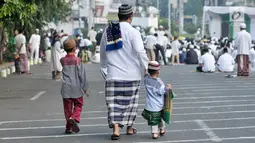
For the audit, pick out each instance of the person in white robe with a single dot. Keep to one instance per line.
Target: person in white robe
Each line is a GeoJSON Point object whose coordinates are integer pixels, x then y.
{"type": "Point", "coordinates": [243, 45]}
{"type": "Point", "coordinates": [252, 58]}
{"type": "Point", "coordinates": [226, 62]}
{"type": "Point", "coordinates": [56, 55]}
{"type": "Point", "coordinates": [35, 45]}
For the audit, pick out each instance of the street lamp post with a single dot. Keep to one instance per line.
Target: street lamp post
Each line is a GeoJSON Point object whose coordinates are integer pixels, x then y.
{"type": "Point", "coordinates": [169, 17]}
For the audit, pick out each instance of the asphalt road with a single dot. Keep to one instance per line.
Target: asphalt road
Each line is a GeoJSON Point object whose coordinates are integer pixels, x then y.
{"type": "Point", "coordinates": [208, 108]}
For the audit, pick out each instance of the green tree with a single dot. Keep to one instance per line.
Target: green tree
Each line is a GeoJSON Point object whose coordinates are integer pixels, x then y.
{"type": "Point", "coordinates": [29, 15]}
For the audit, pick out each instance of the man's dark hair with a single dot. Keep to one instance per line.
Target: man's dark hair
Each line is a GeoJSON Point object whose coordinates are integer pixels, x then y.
{"type": "Point", "coordinates": [69, 50]}
{"type": "Point", "coordinates": [225, 50]}
{"type": "Point", "coordinates": [175, 37]}
{"type": "Point", "coordinates": [124, 17]}
{"type": "Point", "coordinates": [156, 34]}
{"type": "Point", "coordinates": [206, 50]}
{"type": "Point", "coordinates": [21, 31]}
{"type": "Point", "coordinates": [152, 72]}
{"type": "Point", "coordinates": [62, 31]}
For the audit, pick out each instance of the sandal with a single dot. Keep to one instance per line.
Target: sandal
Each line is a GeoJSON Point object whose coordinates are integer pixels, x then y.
{"type": "Point", "coordinates": [162, 132]}
{"type": "Point", "coordinates": [155, 137]}
{"type": "Point", "coordinates": [134, 131]}
{"type": "Point", "coordinates": [115, 137]}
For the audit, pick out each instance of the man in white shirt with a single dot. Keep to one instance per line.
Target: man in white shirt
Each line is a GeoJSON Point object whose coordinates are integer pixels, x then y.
{"type": "Point", "coordinates": [150, 46]}
{"type": "Point", "coordinates": [176, 45]}
{"type": "Point", "coordinates": [226, 62]}
{"type": "Point", "coordinates": [160, 46]}
{"type": "Point", "coordinates": [252, 57]}
{"type": "Point", "coordinates": [20, 44]}
{"type": "Point", "coordinates": [124, 56]}
{"type": "Point", "coordinates": [35, 46]}
{"type": "Point", "coordinates": [92, 37]}
{"type": "Point", "coordinates": [207, 62]}
{"type": "Point", "coordinates": [243, 45]}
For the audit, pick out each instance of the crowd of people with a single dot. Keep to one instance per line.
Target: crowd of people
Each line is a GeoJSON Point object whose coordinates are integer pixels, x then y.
{"type": "Point", "coordinates": [49, 48]}
{"type": "Point", "coordinates": [210, 53]}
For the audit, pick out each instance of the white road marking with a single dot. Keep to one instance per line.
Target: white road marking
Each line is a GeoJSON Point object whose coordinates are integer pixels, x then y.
{"type": "Point", "coordinates": [203, 102]}
{"type": "Point", "coordinates": [229, 89]}
{"type": "Point", "coordinates": [211, 97]}
{"type": "Point", "coordinates": [140, 132]}
{"type": "Point", "coordinates": [37, 95]}
{"type": "Point", "coordinates": [200, 140]}
{"type": "Point", "coordinates": [208, 131]}
{"type": "Point", "coordinates": [94, 118]}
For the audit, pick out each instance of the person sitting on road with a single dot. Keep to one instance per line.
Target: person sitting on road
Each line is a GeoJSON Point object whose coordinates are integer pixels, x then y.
{"type": "Point", "coordinates": [226, 62]}
{"type": "Point", "coordinates": [207, 62]}
{"type": "Point", "coordinates": [191, 57]}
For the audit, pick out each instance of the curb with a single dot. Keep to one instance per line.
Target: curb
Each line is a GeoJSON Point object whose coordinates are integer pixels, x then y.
{"type": "Point", "coordinates": [9, 68]}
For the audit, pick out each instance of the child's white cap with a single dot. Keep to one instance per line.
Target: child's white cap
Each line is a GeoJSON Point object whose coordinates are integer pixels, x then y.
{"type": "Point", "coordinates": [154, 65]}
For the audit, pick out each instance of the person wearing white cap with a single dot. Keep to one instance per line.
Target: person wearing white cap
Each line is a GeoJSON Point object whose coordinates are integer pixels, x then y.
{"type": "Point", "coordinates": [123, 55]}
{"type": "Point", "coordinates": [35, 46]}
{"type": "Point", "coordinates": [155, 99]}
{"type": "Point", "coordinates": [243, 45]}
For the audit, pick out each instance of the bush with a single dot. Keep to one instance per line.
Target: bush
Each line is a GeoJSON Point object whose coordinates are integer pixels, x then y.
{"type": "Point", "coordinates": [190, 28]}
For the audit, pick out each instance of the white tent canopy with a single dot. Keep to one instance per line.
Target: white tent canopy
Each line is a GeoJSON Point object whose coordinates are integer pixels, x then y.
{"type": "Point", "coordinates": [224, 10]}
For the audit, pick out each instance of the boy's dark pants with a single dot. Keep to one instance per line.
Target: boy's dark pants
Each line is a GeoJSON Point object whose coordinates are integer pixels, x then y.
{"type": "Point", "coordinates": [16, 64]}
{"type": "Point", "coordinates": [73, 109]}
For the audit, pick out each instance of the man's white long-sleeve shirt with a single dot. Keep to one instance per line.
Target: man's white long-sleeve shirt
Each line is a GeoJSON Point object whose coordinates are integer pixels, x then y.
{"type": "Point", "coordinates": [243, 42]}
{"type": "Point", "coordinates": [127, 62]}
{"type": "Point", "coordinates": [35, 40]}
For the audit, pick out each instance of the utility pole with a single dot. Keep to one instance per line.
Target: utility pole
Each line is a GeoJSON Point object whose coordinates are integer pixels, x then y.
{"type": "Point", "coordinates": [158, 7]}
{"type": "Point", "coordinates": [91, 14]}
{"type": "Point", "coordinates": [79, 15]}
{"type": "Point", "coordinates": [181, 20]}
{"type": "Point", "coordinates": [169, 17]}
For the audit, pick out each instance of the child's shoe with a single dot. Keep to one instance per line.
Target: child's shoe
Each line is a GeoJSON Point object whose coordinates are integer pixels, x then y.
{"type": "Point", "coordinates": [74, 125]}
{"type": "Point", "coordinates": [68, 131]}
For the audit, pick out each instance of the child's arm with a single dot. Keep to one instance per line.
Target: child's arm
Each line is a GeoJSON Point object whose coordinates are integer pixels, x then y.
{"type": "Point", "coordinates": [83, 78]}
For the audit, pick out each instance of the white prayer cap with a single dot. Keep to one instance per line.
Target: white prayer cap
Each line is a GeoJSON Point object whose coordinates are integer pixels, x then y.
{"type": "Point", "coordinates": [191, 46]}
{"type": "Point", "coordinates": [243, 25]}
{"type": "Point", "coordinates": [101, 30]}
{"type": "Point", "coordinates": [154, 65]}
{"type": "Point", "coordinates": [184, 50]}
{"type": "Point", "coordinates": [161, 27]}
{"type": "Point", "coordinates": [138, 28]}
{"type": "Point", "coordinates": [37, 30]}
{"type": "Point", "coordinates": [213, 42]}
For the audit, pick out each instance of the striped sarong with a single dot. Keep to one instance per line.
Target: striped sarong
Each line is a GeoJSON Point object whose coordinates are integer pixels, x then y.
{"type": "Point", "coordinates": [122, 102]}
{"type": "Point", "coordinates": [23, 63]}
{"type": "Point", "coordinates": [243, 65]}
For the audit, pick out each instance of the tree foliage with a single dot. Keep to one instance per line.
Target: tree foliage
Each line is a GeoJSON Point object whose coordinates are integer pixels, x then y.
{"type": "Point", "coordinates": [29, 15]}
